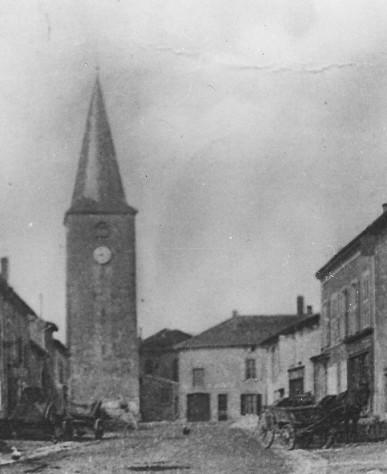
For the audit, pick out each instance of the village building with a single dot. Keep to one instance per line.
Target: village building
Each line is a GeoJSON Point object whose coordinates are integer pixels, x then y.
{"type": "Point", "coordinates": [27, 349]}
{"type": "Point", "coordinates": [40, 361]}
{"type": "Point", "coordinates": [353, 318]}
{"type": "Point", "coordinates": [59, 355]}
{"type": "Point", "coordinates": [101, 272]}
{"type": "Point", "coordinates": [159, 398]}
{"type": "Point", "coordinates": [14, 343]}
{"type": "Point", "coordinates": [222, 370]}
{"type": "Point", "coordinates": [48, 363]}
{"type": "Point", "coordinates": [158, 355]}
{"type": "Point", "coordinates": [159, 375]}
{"type": "Point", "coordinates": [289, 352]}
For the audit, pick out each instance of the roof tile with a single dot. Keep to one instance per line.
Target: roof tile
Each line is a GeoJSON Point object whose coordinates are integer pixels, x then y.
{"type": "Point", "coordinates": [239, 331]}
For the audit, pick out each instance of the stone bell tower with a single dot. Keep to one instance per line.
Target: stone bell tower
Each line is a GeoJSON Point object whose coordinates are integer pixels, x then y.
{"type": "Point", "coordinates": [101, 271]}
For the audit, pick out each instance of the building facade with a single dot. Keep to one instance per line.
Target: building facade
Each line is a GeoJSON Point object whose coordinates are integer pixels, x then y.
{"type": "Point", "coordinates": [222, 370]}
{"type": "Point", "coordinates": [101, 274]}
{"type": "Point", "coordinates": [158, 355]}
{"type": "Point", "coordinates": [15, 344]}
{"type": "Point", "coordinates": [41, 360]}
{"type": "Point", "coordinates": [159, 398]}
{"type": "Point", "coordinates": [289, 359]}
{"type": "Point", "coordinates": [27, 349]}
{"type": "Point", "coordinates": [159, 375]}
{"type": "Point", "coordinates": [353, 318]}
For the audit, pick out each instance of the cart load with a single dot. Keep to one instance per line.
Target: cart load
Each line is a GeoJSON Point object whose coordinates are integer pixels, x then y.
{"type": "Point", "coordinates": [81, 418]}
{"type": "Point", "coordinates": [301, 422]}
{"type": "Point", "coordinates": [35, 415]}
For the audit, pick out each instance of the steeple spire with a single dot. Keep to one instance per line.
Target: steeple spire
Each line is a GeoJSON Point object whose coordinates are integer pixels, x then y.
{"type": "Point", "coordinates": [98, 186]}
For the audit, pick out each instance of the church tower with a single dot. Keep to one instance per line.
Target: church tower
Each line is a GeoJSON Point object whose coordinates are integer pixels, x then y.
{"type": "Point", "coordinates": [101, 278]}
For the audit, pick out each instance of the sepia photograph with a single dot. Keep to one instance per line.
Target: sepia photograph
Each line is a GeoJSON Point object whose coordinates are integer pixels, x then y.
{"type": "Point", "coordinates": [193, 236]}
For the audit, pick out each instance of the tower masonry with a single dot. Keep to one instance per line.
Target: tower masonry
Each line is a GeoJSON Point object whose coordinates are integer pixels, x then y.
{"type": "Point", "coordinates": [101, 271]}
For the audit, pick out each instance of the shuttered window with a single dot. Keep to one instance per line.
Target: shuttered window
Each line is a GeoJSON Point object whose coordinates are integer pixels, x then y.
{"type": "Point", "coordinates": [251, 404]}
{"type": "Point", "coordinates": [365, 317]}
{"type": "Point", "coordinates": [250, 369]}
{"type": "Point", "coordinates": [222, 407]}
{"type": "Point", "coordinates": [296, 381]}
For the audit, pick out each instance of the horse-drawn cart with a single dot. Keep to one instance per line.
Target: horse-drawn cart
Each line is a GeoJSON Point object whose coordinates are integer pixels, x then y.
{"type": "Point", "coordinates": [35, 416]}
{"type": "Point", "coordinates": [81, 418]}
{"type": "Point", "coordinates": [293, 424]}
{"type": "Point", "coordinates": [303, 422]}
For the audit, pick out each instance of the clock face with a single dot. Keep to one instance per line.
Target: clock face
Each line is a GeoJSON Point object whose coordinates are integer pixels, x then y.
{"type": "Point", "coordinates": [102, 255]}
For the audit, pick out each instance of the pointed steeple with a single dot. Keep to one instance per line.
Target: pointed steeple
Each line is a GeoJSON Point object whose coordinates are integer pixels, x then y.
{"type": "Point", "coordinates": [98, 186]}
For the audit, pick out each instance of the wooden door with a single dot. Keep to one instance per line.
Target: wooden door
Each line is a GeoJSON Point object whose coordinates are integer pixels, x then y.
{"type": "Point", "coordinates": [198, 407]}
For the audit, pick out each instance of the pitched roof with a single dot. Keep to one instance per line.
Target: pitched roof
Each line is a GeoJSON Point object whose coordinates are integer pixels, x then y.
{"type": "Point", "coordinates": [164, 339]}
{"type": "Point", "coordinates": [303, 321]}
{"type": "Point", "coordinates": [61, 347]}
{"type": "Point", "coordinates": [98, 186]}
{"type": "Point", "coordinates": [239, 331]}
{"type": "Point", "coordinates": [10, 294]}
{"type": "Point", "coordinates": [355, 244]}
{"type": "Point", "coordinates": [21, 306]}
{"type": "Point", "coordinates": [38, 349]}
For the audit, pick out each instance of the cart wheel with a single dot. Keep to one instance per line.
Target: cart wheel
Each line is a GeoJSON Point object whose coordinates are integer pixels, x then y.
{"type": "Point", "coordinates": [57, 433]}
{"type": "Point", "coordinates": [98, 429]}
{"type": "Point", "coordinates": [50, 414]}
{"type": "Point", "coordinates": [288, 436]}
{"type": "Point", "coordinates": [330, 437]}
{"type": "Point", "coordinates": [266, 430]}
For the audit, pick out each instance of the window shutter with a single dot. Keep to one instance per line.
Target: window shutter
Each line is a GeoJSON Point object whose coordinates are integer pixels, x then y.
{"type": "Point", "coordinates": [243, 407]}
{"type": "Point", "coordinates": [258, 399]}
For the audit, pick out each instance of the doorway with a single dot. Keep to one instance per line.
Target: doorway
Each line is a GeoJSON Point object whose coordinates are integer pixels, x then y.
{"type": "Point", "coordinates": [198, 407]}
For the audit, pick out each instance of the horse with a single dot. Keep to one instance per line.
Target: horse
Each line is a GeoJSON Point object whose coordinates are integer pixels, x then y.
{"type": "Point", "coordinates": [354, 401]}
{"type": "Point", "coordinates": [345, 407]}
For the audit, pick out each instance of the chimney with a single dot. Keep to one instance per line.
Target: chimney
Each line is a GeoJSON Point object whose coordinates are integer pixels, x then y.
{"type": "Point", "coordinates": [300, 305]}
{"type": "Point", "coordinates": [309, 310]}
{"type": "Point", "coordinates": [234, 313]}
{"type": "Point", "coordinates": [5, 268]}
{"type": "Point", "coordinates": [384, 206]}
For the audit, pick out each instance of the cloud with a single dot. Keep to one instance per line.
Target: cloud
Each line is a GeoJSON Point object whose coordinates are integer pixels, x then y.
{"type": "Point", "coordinates": [260, 121]}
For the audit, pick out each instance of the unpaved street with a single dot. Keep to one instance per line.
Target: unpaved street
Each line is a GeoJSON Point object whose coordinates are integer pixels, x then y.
{"type": "Point", "coordinates": [207, 449]}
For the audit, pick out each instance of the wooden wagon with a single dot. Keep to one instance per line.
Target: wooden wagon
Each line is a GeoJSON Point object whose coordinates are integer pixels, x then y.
{"type": "Point", "coordinates": [81, 418]}
{"type": "Point", "coordinates": [35, 416]}
{"type": "Point", "coordinates": [301, 424]}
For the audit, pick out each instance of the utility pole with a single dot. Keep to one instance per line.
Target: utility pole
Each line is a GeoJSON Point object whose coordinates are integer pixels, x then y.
{"type": "Point", "coordinates": [41, 305]}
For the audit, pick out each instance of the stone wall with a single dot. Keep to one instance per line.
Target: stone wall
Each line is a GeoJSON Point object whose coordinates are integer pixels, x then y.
{"type": "Point", "coordinates": [15, 349]}
{"type": "Point", "coordinates": [101, 309]}
{"type": "Point", "coordinates": [163, 363]}
{"type": "Point", "coordinates": [159, 399]}
{"type": "Point", "coordinates": [380, 325]}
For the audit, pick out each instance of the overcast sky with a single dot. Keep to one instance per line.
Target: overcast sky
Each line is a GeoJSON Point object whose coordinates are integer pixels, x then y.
{"type": "Point", "coordinates": [251, 136]}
